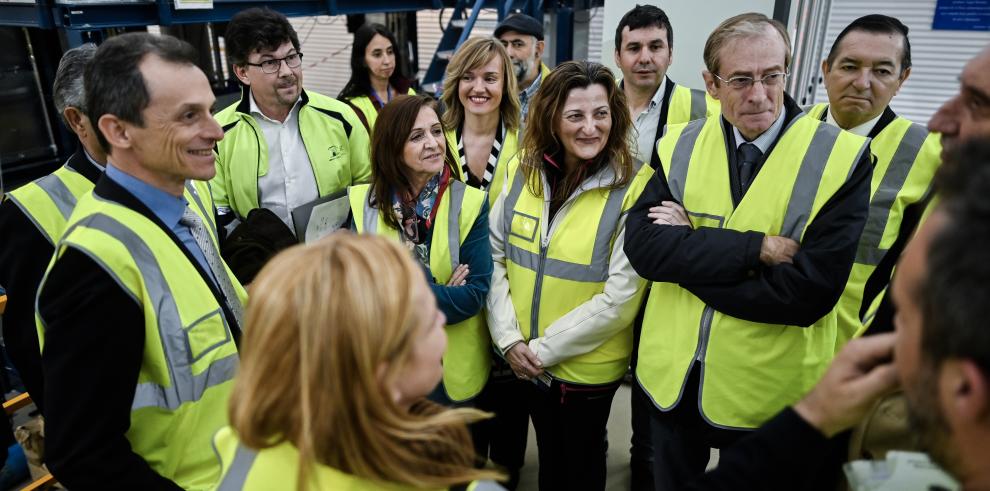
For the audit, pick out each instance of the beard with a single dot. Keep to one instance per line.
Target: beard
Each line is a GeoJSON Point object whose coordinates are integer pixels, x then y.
{"type": "Point", "coordinates": [926, 417]}
{"type": "Point", "coordinates": [520, 67]}
{"type": "Point", "coordinates": [290, 81]}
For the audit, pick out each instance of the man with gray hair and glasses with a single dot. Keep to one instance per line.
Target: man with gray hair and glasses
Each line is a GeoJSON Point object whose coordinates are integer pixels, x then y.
{"type": "Point", "coordinates": [32, 219]}
{"type": "Point", "coordinates": [748, 231]}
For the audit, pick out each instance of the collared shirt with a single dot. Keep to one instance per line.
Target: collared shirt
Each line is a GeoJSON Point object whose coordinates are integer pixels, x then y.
{"type": "Point", "coordinates": [290, 181]}
{"type": "Point", "coordinates": [646, 125]}
{"type": "Point", "coordinates": [764, 141]}
{"type": "Point", "coordinates": [167, 208]}
{"type": "Point", "coordinates": [527, 95]}
{"type": "Point", "coordinates": [861, 130]}
{"type": "Point", "coordinates": [100, 167]}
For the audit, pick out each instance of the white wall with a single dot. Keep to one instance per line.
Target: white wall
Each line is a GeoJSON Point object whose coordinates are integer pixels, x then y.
{"type": "Point", "coordinates": [692, 20]}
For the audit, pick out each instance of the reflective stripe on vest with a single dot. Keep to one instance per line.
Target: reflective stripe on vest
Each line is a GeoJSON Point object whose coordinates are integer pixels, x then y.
{"type": "Point", "coordinates": [552, 274]}
{"type": "Point", "coordinates": [61, 195]}
{"type": "Point", "coordinates": [189, 356]}
{"type": "Point", "coordinates": [805, 186]}
{"type": "Point", "coordinates": [235, 478]}
{"type": "Point", "coordinates": [277, 467]}
{"type": "Point", "coordinates": [186, 387]}
{"type": "Point", "coordinates": [596, 271]}
{"type": "Point", "coordinates": [467, 360]}
{"type": "Point", "coordinates": [749, 370]}
{"type": "Point", "coordinates": [869, 251]}
{"type": "Point", "coordinates": [699, 106]}
{"type": "Point", "coordinates": [456, 190]}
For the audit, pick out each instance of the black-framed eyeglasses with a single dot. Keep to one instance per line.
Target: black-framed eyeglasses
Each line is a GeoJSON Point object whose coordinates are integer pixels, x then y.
{"type": "Point", "coordinates": [743, 82]}
{"type": "Point", "coordinates": [271, 66]}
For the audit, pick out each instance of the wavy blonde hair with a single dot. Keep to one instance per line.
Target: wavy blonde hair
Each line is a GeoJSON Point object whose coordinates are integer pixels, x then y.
{"type": "Point", "coordinates": [475, 53]}
{"type": "Point", "coordinates": [330, 326]}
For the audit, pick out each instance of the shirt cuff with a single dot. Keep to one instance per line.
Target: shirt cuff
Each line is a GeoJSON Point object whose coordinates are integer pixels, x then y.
{"type": "Point", "coordinates": [505, 343]}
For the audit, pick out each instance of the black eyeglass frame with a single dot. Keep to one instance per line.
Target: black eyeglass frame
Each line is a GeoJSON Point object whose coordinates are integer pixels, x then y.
{"type": "Point", "coordinates": [277, 63]}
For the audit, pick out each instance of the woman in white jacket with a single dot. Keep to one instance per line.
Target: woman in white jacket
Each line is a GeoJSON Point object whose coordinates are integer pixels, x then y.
{"type": "Point", "coordinates": [563, 294]}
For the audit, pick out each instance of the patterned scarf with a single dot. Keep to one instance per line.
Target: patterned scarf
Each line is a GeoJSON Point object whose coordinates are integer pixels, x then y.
{"type": "Point", "coordinates": [416, 216]}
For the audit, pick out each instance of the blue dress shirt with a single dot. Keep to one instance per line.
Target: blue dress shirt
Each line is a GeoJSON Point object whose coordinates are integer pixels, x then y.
{"type": "Point", "coordinates": [166, 207]}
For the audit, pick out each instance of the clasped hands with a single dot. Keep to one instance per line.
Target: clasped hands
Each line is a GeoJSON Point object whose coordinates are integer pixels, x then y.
{"type": "Point", "coordinates": [525, 364]}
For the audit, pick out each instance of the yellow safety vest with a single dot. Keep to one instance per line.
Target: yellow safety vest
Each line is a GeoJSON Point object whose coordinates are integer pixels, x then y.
{"type": "Point", "coordinates": [555, 267]}
{"type": "Point", "coordinates": [189, 353]}
{"type": "Point", "coordinates": [907, 156]}
{"type": "Point", "coordinates": [690, 104]}
{"type": "Point", "coordinates": [48, 202]}
{"type": "Point", "coordinates": [335, 139]}
{"type": "Point", "coordinates": [467, 360]}
{"type": "Point", "coordinates": [278, 468]}
{"type": "Point", "coordinates": [750, 370]}
{"type": "Point", "coordinates": [368, 110]}
{"type": "Point", "coordinates": [875, 303]}
{"type": "Point", "coordinates": [507, 155]}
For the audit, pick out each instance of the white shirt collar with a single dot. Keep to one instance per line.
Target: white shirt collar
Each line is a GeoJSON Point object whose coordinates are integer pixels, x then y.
{"type": "Point", "coordinates": [658, 95]}
{"type": "Point", "coordinates": [769, 136]}
{"type": "Point", "coordinates": [861, 130]}
{"type": "Point", "coordinates": [93, 161]}
{"type": "Point", "coordinates": [255, 109]}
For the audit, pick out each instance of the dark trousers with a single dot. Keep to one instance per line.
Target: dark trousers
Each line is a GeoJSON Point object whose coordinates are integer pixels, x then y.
{"type": "Point", "coordinates": [640, 407]}
{"type": "Point", "coordinates": [503, 437]}
{"type": "Point", "coordinates": [570, 423]}
{"type": "Point", "coordinates": [682, 439]}
{"type": "Point", "coordinates": [641, 449]}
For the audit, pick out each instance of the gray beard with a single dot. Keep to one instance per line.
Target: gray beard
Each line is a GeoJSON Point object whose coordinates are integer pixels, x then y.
{"type": "Point", "coordinates": [520, 68]}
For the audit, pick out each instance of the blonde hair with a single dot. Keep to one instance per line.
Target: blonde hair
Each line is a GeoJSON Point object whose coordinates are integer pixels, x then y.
{"type": "Point", "coordinates": [323, 320]}
{"type": "Point", "coordinates": [746, 25]}
{"type": "Point", "coordinates": [475, 53]}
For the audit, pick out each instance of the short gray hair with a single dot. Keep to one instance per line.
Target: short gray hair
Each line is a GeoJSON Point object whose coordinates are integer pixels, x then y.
{"type": "Point", "coordinates": [68, 89]}
{"type": "Point", "coordinates": [746, 25]}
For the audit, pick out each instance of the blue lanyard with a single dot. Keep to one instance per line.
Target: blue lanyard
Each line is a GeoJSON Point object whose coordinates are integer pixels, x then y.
{"type": "Point", "coordinates": [388, 93]}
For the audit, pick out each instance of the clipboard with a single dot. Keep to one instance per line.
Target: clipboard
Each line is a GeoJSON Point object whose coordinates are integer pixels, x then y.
{"type": "Point", "coordinates": [321, 217]}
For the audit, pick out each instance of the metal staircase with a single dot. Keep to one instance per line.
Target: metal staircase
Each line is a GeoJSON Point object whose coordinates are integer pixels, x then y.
{"type": "Point", "coordinates": [459, 29]}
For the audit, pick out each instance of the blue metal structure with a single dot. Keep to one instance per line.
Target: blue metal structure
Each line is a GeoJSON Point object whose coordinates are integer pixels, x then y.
{"type": "Point", "coordinates": [98, 14]}
{"type": "Point", "coordinates": [53, 25]}
{"type": "Point", "coordinates": [462, 22]}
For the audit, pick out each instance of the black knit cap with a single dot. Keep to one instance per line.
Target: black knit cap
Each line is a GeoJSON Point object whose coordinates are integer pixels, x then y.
{"type": "Point", "coordinates": [521, 23]}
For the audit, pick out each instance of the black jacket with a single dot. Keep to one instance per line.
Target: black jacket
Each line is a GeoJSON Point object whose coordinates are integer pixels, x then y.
{"type": "Point", "coordinates": [780, 455]}
{"type": "Point", "coordinates": [24, 256]}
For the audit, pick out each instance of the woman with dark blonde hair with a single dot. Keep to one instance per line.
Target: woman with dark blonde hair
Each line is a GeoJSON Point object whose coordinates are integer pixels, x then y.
{"type": "Point", "coordinates": [482, 113]}
{"type": "Point", "coordinates": [563, 294]}
{"type": "Point", "coordinates": [343, 342]}
{"type": "Point", "coordinates": [416, 199]}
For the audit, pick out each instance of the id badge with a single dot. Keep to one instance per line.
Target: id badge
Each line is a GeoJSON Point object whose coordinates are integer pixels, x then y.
{"type": "Point", "coordinates": [543, 381]}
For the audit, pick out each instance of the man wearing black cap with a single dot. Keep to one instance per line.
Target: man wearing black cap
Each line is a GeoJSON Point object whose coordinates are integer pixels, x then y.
{"type": "Point", "coordinates": [522, 37]}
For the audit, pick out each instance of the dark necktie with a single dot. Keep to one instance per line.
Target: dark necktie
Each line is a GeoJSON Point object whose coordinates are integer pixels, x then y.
{"type": "Point", "coordinates": [749, 155]}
